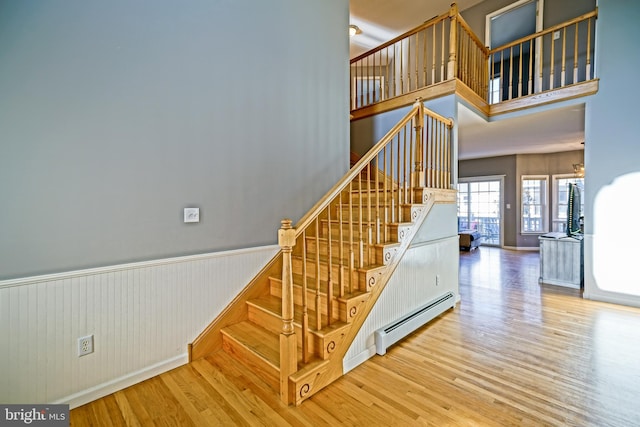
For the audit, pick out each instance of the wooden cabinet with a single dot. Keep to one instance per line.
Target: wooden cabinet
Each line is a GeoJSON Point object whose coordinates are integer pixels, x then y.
{"type": "Point", "coordinates": [561, 261]}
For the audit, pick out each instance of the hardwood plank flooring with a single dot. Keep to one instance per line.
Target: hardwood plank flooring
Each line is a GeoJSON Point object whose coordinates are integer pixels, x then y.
{"type": "Point", "coordinates": [512, 353]}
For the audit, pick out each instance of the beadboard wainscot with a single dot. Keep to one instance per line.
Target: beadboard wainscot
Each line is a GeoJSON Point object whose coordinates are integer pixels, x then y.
{"type": "Point", "coordinates": [433, 252]}
{"type": "Point", "coordinates": [142, 316]}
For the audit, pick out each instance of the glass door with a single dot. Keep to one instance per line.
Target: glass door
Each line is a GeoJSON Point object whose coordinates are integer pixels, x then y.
{"type": "Point", "coordinates": [480, 208]}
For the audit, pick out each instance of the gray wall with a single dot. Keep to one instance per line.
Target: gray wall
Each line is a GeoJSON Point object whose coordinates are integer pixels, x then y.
{"type": "Point", "coordinates": [503, 165]}
{"type": "Point", "coordinates": [513, 167]}
{"type": "Point", "coordinates": [366, 132]}
{"type": "Point", "coordinates": [555, 12]}
{"type": "Point", "coordinates": [114, 116]}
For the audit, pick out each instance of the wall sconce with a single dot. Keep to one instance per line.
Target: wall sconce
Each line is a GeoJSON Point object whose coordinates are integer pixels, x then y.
{"type": "Point", "coordinates": [578, 170]}
{"type": "Point", "coordinates": [353, 30]}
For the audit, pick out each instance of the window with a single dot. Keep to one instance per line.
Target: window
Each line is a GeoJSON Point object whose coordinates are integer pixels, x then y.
{"type": "Point", "coordinates": [480, 207]}
{"type": "Point", "coordinates": [561, 198]}
{"type": "Point", "coordinates": [534, 204]}
{"type": "Point", "coordinates": [494, 90]}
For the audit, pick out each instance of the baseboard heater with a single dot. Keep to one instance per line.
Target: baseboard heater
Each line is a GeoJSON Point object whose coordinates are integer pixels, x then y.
{"type": "Point", "coordinates": [394, 332]}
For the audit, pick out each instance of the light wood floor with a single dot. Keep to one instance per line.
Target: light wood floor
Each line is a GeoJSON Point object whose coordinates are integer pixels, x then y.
{"type": "Point", "coordinates": [512, 353]}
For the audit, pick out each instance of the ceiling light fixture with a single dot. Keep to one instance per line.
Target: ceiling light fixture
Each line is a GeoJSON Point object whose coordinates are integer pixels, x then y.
{"type": "Point", "coordinates": [353, 30]}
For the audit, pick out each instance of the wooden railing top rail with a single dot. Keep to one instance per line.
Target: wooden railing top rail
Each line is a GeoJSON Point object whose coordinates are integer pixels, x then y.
{"type": "Point", "coordinates": [473, 35]}
{"type": "Point", "coordinates": [546, 31]}
{"type": "Point", "coordinates": [306, 220]}
{"type": "Point", "coordinates": [353, 173]}
{"type": "Point", "coordinates": [421, 27]}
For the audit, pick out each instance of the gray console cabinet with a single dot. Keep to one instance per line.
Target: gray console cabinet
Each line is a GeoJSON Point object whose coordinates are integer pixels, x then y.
{"type": "Point", "coordinates": [561, 261]}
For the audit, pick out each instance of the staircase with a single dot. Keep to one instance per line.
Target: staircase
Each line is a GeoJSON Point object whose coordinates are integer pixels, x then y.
{"type": "Point", "coordinates": [293, 324]}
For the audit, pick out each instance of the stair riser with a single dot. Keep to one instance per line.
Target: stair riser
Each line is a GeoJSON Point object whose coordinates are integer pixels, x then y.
{"type": "Point", "coordinates": [420, 195]}
{"type": "Point", "coordinates": [368, 232]}
{"type": "Point", "coordinates": [370, 254]}
{"type": "Point", "coordinates": [380, 254]}
{"type": "Point", "coordinates": [276, 291]}
{"type": "Point", "coordinates": [251, 360]}
{"type": "Point", "coordinates": [320, 345]}
{"type": "Point", "coordinates": [273, 323]}
{"type": "Point", "coordinates": [381, 216]}
{"type": "Point", "coordinates": [340, 308]}
{"type": "Point", "coordinates": [324, 272]}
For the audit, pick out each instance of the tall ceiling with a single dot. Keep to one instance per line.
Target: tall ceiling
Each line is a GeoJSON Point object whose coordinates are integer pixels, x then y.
{"type": "Point", "coordinates": [559, 129]}
{"type": "Point", "coordinates": [382, 20]}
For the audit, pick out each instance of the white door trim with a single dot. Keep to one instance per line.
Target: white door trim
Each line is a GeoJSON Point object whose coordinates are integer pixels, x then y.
{"type": "Point", "coordinates": [491, 178]}
{"type": "Point", "coordinates": [487, 25]}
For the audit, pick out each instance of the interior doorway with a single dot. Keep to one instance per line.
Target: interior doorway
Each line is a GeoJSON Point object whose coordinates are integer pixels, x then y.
{"type": "Point", "coordinates": [480, 208]}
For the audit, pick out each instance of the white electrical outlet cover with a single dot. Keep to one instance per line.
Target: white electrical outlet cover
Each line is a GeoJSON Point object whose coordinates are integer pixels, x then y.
{"type": "Point", "coordinates": [191, 214]}
{"type": "Point", "coordinates": [85, 345]}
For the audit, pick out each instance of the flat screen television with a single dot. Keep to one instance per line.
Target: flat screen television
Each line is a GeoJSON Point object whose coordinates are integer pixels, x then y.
{"type": "Point", "coordinates": [573, 210]}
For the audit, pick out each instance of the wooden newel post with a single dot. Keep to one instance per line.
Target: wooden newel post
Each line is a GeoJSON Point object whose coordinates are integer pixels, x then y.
{"type": "Point", "coordinates": [417, 177]}
{"type": "Point", "coordinates": [453, 42]}
{"type": "Point", "coordinates": [288, 356]}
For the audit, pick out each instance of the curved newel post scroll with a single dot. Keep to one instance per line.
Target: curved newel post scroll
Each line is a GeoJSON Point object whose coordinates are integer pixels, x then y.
{"type": "Point", "coordinates": [417, 176]}
{"type": "Point", "coordinates": [288, 356]}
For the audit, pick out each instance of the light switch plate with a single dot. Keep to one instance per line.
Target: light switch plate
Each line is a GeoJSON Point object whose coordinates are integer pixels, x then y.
{"type": "Point", "coordinates": [191, 214]}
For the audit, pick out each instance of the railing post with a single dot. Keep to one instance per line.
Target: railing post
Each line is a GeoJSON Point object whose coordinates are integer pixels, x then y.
{"type": "Point", "coordinates": [288, 356]}
{"type": "Point", "coordinates": [417, 176]}
{"type": "Point", "coordinates": [453, 42]}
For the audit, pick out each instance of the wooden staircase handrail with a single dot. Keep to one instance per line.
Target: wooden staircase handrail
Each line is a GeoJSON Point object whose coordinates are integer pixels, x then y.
{"type": "Point", "coordinates": [306, 220]}
{"type": "Point", "coordinates": [322, 204]}
{"type": "Point", "coordinates": [592, 14]}
{"type": "Point", "coordinates": [402, 36]}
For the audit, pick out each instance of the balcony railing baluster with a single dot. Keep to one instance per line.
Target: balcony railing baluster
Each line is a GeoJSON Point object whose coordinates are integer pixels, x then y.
{"type": "Point", "coordinates": [445, 48]}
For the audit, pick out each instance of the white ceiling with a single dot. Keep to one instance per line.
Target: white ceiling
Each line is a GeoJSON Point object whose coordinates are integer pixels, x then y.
{"type": "Point", "coordinates": [382, 20]}
{"type": "Point", "coordinates": [550, 131]}
{"type": "Point", "coordinates": [555, 130]}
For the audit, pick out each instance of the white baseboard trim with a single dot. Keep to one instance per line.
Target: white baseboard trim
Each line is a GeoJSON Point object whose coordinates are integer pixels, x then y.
{"type": "Point", "coordinates": [522, 248]}
{"type": "Point", "coordinates": [359, 359]}
{"type": "Point", "coordinates": [612, 298]}
{"type": "Point", "coordinates": [96, 392]}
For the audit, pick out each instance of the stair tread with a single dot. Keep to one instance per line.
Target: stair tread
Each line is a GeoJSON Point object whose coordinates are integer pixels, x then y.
{"type": "Point", "coordinates": [366, 223]}
{"type": "Point", "coordinates": [324, 260]}
{"type": "Point", "coordinates": [273, 304]}
{"type": "Point", "coordinates": [380, 245]}
{"type": "Point", "coordinates": [264, 343]}
{"type": "Point", "coordinates": [311, 286]}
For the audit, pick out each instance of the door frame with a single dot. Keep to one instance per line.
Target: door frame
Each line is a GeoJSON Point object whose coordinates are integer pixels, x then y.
{"type": "Point", "coordinates": [501, 202]}
{"type": "Point", "coordinates": [539, 27]}
{"type": "Point", "coordinates": [539, 18]}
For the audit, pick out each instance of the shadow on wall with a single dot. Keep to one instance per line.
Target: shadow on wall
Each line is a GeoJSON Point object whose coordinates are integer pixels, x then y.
{"type": "Point", "coordinates": [615, 238]}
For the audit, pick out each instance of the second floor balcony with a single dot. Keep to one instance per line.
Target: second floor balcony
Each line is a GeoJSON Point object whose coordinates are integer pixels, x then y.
{"type": "Point", "coordinates": [444, 56]}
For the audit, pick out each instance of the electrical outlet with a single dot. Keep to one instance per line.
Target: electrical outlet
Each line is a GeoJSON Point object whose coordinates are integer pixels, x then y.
{"type": "Point", "coordinates": [556, 35]}
{"type": "Point", "coordinates": [85, 345]}
{"type": "Point", "coordinates": [437, 280]}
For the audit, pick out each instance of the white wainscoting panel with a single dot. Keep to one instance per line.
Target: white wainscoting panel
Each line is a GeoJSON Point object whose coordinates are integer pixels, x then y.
{"type": "Point", "coordinates": [412, 285]}
{"type": "Point", "coordinates": [142, 317]}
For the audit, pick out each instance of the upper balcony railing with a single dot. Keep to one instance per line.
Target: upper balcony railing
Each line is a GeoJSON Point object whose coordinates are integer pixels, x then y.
{"type": "Point", "coordinates": [411, 61]}
{"type": "Point", "coordinates": [445, 49]}
{"type": "Point", "coordinates": [551, 59]}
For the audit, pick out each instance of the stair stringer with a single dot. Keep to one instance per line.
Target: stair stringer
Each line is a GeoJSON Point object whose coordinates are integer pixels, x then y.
{"type": "Point", "coordinates": [306, 382]}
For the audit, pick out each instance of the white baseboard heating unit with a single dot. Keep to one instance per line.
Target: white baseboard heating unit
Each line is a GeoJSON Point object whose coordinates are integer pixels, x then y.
{"type": "Point", "coordinates": [394, 332]}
